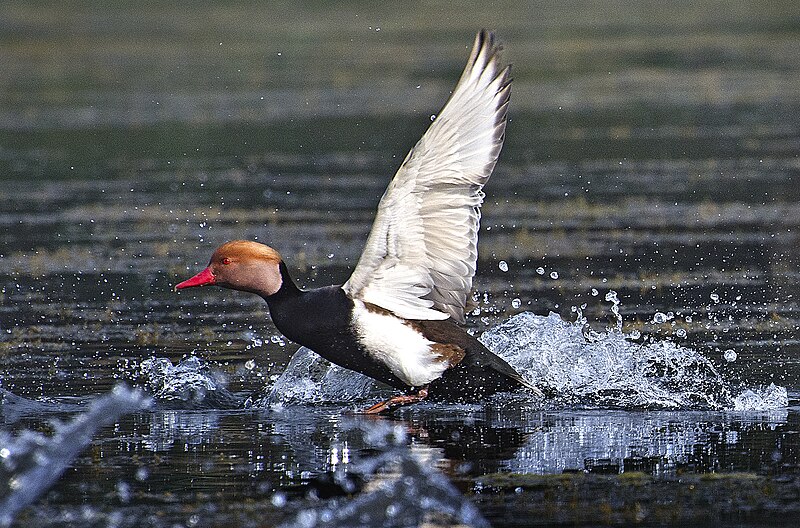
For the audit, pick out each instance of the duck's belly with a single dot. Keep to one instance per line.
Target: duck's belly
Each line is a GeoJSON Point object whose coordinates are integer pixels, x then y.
{"type": "Point", "coordinates": [393, 342]}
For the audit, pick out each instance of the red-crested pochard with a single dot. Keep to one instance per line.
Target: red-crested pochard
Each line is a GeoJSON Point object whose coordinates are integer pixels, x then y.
{"type": "Point", "coordinates": [396, 318]}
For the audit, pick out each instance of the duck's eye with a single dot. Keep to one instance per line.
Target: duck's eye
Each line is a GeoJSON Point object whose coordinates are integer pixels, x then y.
{"type": "Point", "coordinates": [226, 261]}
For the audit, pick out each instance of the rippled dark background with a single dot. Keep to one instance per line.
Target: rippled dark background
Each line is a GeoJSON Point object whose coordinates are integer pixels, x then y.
{"type": "Point", "coordinates": [652, 150]}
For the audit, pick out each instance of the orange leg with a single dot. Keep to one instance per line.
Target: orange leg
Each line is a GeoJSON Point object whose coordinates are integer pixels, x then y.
{"type": "Point", "coordinates": [398, 401]}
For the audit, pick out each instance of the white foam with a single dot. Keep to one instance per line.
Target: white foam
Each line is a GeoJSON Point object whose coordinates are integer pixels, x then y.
{"type": "Point", "coordinates": [608, 369]}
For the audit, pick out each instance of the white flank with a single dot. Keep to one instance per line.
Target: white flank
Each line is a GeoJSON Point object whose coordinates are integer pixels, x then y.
{"type": "Point", "coordinates": [402, 349]}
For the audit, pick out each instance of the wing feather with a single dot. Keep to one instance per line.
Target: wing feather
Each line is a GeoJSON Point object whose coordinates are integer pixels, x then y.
{"type": "Point", "coordinates": [421, 254]}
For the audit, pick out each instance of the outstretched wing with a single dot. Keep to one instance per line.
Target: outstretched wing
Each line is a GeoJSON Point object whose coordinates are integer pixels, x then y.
{"type": "Point", "coordinates": [421, 254]}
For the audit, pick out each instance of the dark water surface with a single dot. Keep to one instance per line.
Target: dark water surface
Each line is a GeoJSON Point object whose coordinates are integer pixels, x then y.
{"type": "Point", "coordinates": [652, 152]}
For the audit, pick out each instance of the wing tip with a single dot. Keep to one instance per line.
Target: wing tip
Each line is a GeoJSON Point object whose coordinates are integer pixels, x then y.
{"type": "Point", "coordinates": [486, 83]}
{"type": "Point", "coordinates": [485, 55]}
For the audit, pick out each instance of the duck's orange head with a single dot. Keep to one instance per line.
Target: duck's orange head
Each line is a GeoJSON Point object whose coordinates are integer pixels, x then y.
{"type": "Point", "coordinates": [241, 265]}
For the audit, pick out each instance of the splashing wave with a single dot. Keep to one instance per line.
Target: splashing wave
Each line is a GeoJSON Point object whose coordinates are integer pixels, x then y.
{"type": "Point", "coordinates": [31, 462]}
{"type": "Point", "coordinates": [608, 369]}
{"type": "Point", "coordinates": [188, 385]}
{"type": "Point", "coordinates": [579, 365]}
{"type": "Point", "coordinates": [308, 378]}
{"type": "Point", "coordinates": [582, 366]}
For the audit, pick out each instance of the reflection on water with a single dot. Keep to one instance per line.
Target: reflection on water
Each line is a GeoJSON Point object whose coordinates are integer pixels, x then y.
{"type": "Point", "coordinates": [168, 428]}
{"type": "Point", "coordinates": [279, 455]}
{"type": "Point", "coordinates": [655, 443]}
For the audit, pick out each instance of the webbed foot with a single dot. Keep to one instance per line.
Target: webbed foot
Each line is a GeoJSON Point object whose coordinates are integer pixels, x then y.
{"type": "Point", "coordinates": [397, 401]}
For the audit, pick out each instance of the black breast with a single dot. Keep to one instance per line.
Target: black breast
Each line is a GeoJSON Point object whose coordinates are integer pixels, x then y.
{"type": "Point", "coordinates": [310, 315]}
{"type": "Point", "coordinates": [320, 319]}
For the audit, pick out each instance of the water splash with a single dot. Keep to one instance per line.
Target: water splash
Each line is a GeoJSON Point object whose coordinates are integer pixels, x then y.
{"type": "Point", "coordinates": [608, 369]}
{"type": "Point", "coordinates": [188, 385]}
{"type": "Point", "coordinates": [308, 378]}
{"type": "Point", "coordinates": [31, 462]}
{"type": "Point", "coordinates": [761, 399]}
{"type": "Point", "coordinates": [580, 365]}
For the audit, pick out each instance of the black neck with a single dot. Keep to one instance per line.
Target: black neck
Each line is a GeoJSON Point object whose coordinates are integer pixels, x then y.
{"type": "Point", "coordinates": [288, 288]}
{"type": "Point", "coordinates": [309, 317]}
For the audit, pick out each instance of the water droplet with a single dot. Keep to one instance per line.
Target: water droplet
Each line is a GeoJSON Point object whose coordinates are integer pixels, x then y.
{"type": "Point", "coordinates": [123, 491]}
{"type": "Point", "coordinates": [278, 500]}
{"type": "Point", "coordinates": [554, 275]}
{"type": "Point", "coordinates": [714, 297]}
{"type": "Point", "coordinates": [516, 303]}
{"type": "Point", "coordinates": [730, 355]}
{"type": "Point", "coordinates": [540, 270]}
{"type": "Point", "coordinates": [660, 318]}
{"type": "Point", "coordinates": [503, 265]}
{"type": "Point", "coordinates": [595, 293]}
{"type": "Point", "coordinates": [250, 364]}
{"type": "Point", "coordinates": [680, 332]}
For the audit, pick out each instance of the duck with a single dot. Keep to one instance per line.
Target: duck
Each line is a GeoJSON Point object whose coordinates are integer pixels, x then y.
{"type": "Point", "coordinates": [398, 318]}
